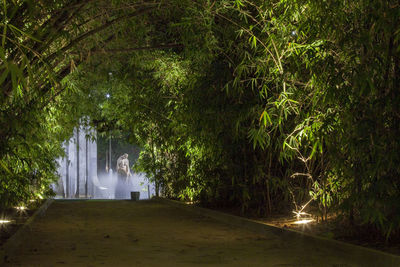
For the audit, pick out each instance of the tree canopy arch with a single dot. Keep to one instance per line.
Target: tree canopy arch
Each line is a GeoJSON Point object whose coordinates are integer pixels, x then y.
{"type": "Point", "coordinates": [264, 105]}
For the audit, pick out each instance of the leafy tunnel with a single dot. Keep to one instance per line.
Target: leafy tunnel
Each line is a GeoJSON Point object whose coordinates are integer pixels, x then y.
{"type": "Point", "coordinates": [263, 106]}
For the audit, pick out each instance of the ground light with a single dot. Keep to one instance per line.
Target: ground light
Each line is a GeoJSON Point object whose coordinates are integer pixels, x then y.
{"type": "Point", "coordinates": [21, 210]}
{"type": "Point", "coordinates": [4, 223]}
{"type": "Point", "coordinates": [304, 221]}
{"type": "Point", "coordinates": [300, 220]}
{"type": "Point", "coordinates": [300, 213]}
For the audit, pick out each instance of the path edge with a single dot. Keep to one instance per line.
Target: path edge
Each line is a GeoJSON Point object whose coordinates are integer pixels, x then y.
{"type": "Point", "coordinates": [15, 240]}
{"type": "Point", "coordinates": [370, 256]}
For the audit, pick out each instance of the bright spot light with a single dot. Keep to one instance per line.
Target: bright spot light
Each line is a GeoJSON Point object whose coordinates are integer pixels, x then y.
{"type": "Point", "coordinates": [4, 221]}
{"type": "Point", "coordinates": [21, 208]}
{"type": "Point", "coordinates": [32, 200]}
{"type": "Point", "coordinates": [108, 95]}
{"type": "Point", "coordinates": [294, 33]}
{"type": "Point", "coordinates": [300, 214]}
{"type": "Point", "coordinates": [305, 221]}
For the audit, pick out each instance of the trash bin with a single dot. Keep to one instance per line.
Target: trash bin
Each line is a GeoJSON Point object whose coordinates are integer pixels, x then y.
{"type": "Point", "coordinates": [135, 195]}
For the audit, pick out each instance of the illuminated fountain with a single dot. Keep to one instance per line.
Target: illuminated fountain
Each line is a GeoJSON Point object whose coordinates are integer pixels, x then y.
{"type": "Point", "coordinates": [79, 176]}
{"type": "Point", "coordinates": [78, 168]}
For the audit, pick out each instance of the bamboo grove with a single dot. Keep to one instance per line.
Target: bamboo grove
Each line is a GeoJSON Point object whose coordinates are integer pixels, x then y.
{"type": "Point", "coordinates": [269, 106]}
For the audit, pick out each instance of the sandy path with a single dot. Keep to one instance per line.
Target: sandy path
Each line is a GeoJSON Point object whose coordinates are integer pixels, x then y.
{"type": "Point", "coordinates": [148, 233]}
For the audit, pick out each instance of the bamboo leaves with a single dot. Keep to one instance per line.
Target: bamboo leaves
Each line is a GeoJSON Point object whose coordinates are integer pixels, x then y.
{"type": "Point", "coordinates": [265, 104]}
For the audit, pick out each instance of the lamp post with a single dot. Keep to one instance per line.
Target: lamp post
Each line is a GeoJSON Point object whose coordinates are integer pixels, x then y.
{"type": "Point", "coordinates": [108, 162]}
{"type": "Point", "coordinates": [109, 156]}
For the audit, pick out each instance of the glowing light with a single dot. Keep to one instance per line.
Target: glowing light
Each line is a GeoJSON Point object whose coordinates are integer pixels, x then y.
{"type": "Point", "coordinates": [21, 208]}
{"type": "Point", "coordinates": [305, 221]}
{"type": "Point", "coordinates": [4, 221]}
{"type": "Point", "coordinates": [108, 95]}
{"type": "Point", "coordinates": [299, 214]}
{"type": "Point", "coordinates": [302, 217]}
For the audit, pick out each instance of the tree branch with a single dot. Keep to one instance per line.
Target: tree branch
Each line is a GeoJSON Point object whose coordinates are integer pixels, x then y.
{"type": "Point", "coordinates": [96, 30]}
{"type": "Point", "coordinates": [127, 50]}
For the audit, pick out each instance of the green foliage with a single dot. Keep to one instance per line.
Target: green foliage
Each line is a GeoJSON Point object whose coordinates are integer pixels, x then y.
{"type": "Point", "coordinates": [261, 105]}
{"type": "Point", "coordinates": [41, 43]}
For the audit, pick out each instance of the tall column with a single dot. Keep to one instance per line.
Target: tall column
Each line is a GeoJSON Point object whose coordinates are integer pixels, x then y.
{"type": "Point", "coordinates": [87, 168]}
{"type": "Point", "coordinates": [93, 165]}
{"type": "Point", "coordinates": [109, 157]}
{"type": "Point", "coordinates": [66, 170]}
{"type": "Point", "coordinates": [77, 162]}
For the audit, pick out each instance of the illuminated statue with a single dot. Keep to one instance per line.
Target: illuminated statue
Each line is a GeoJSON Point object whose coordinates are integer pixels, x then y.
{"type": "Point", "coordinates": [124, 172]}
{"type": "Point", "coordinates": [123, 166]}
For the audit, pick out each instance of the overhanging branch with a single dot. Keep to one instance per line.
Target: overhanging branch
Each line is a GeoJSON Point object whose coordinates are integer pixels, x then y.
{"type": "Point", "coordinates": [96, 30]}
{"type": "Point", "coordinates": [127, 50]}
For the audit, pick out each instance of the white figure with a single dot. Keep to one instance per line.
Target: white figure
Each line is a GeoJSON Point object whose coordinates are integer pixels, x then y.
{"type": "Point", "coordinates": [122, 188]}
{"type": "Point", "coordinates": [123, 166]}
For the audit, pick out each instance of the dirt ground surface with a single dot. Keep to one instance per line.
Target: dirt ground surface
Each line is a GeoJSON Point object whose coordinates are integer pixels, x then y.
{"type": "Point", "coordinates": [151, 233]}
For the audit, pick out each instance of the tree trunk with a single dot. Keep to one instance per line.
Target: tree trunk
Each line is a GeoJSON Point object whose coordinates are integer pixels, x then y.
{"type": "Point", "coordinates": [269, 206]}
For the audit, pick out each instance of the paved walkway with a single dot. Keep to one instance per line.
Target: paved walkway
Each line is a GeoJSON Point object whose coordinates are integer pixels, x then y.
{"type": "Point", "coordinates": [150, 233]}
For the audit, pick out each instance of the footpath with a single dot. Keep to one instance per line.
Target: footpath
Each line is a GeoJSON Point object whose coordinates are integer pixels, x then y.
{"type": "Point", "coordinates": [163, 233]}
